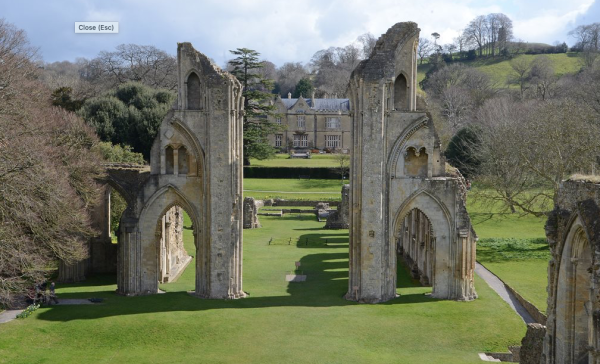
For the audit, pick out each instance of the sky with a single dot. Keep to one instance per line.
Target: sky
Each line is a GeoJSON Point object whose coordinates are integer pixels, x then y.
{"type": "Point", "coordinates": [282, 31]}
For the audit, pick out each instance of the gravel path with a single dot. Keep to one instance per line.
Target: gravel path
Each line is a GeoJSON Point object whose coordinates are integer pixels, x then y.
{"type": "Point", "coordinates": [497, 285]}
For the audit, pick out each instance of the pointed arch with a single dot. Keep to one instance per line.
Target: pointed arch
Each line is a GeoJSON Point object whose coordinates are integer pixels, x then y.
{"type": "Point", "coordinates": [572, 297]}
{"type": "Point", "coordinates": [194, 92]}
{"type": "Point", "coordinates": [401, 92]}
{"type": "Point", "coordinates": [441, 229]}
{"type": "Point", "coordinates": [193, 147]}
{"type": "Point", "coordinates": [395, 162]}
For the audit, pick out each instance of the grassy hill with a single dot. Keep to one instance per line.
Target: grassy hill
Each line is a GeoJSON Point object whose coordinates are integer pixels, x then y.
{"type": "Point", "coordinates": [499, 68]}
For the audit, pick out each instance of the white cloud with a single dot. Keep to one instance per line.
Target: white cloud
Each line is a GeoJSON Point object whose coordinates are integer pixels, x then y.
{"type": "Point", "coordinates": [283, 31]}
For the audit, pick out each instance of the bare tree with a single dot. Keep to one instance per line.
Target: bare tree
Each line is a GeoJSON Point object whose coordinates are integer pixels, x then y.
{"type": "Point", "coordinates": [477, 33]}
{"type": "Point", "coordinates": [542, 75]}
{"type": "Point", "coordinates": [424, 49]}
{"type": "Point", "coordinates": [47, 171]}
{"type": "Point", "coordinates": [368, 42]}
{"type": "Point", "coordinates": [520, 75]}
{"type": "Point", "coordinates": [527, 149]}
{"type": "Point", "coordinates": [131, 62]}
{"type": "Point", "coordinates": [288, 76]}
{"type": "Point", "coordinates": [342, 164]}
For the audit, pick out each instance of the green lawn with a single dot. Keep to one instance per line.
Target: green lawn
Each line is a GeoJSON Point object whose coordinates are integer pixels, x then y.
{"type": "Point", "coordinates": [514, 248]}
{"type": "Point", "coordinates": [293, 189]}
{"type": "Point", "coordinates": [279, 322]}
{"type": "Point", "coordinates": [284, 160]}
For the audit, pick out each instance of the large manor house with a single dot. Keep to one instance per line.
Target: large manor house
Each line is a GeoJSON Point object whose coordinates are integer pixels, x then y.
{"type": "Point", "coordinates": [323, 124]}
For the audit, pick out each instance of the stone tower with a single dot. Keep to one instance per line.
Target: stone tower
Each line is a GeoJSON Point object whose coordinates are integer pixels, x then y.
{"type": "Point", "coordinates": [402, 201]}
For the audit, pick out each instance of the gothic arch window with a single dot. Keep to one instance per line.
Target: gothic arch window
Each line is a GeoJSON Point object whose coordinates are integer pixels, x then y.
{"type": "Point", "coordinates": [573, 301]}
{"type": "Point", "coordinates": [169, 162]}
{"type": "Point", "coordinates": [182, 160]}
{"type": "Point", "coordinates": [401, 93]}
{"type": "Point", "coordinates": [193, 92]}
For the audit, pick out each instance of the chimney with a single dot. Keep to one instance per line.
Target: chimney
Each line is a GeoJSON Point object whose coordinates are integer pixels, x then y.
{"type": "Point", "coordinates": [289, 95]}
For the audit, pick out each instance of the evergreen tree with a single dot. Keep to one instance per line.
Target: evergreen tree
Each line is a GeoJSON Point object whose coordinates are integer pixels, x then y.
{"type": "Point", "coordinates": [304, 88]}
{"type": "Point", "coordinates": [129, 115]}
{"type": "Point", "coordinates": [257, 105]}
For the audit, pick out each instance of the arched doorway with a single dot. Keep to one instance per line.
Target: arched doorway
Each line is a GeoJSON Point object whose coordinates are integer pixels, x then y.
{"type": "Point", "coordinates": [176, 248]}
{"type": "Point", "coordinates": [422, 232]}
{"type": "Point", "coordinates": [416, 245]}
{"type": "Point", "coordinates": [169, 239]}
{"type": "Point", "coordinates": [573, 300]}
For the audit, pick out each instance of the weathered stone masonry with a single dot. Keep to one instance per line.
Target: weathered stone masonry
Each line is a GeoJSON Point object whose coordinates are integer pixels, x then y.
{"type": "Point", "coordinates": [398, 175]}
{"type": "Point", "coordinates": [195, 164]}
{"type": "Point", "coordinates": [573, 232]}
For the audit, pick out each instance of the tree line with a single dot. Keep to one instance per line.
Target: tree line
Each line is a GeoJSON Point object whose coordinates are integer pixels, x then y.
{"type": "Point", "coordinates": [522, 138]}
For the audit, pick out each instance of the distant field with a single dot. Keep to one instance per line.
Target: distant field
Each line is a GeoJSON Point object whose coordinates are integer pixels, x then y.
{"type": "Point", "coordinates": [499, 69]}
{"type": "Point", "coordinates": [284, 160]}
{"type": "Point", "coordinates": [293, 189]}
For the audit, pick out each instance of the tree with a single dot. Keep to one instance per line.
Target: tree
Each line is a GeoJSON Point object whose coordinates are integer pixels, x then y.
{"type": "Point", "coordinates": [542, 75]}
{"type": "Point", "coordinates": [424, 49]}
{"type": "Point", "coordinates": [257, 106]}
{"type": "Point", "coordinates": [132, 63]}
{"type": "Point", "coordinates": [461, 151]}
{"type": "Point", "coordinates": [521, 68]}
{"type": "Point", "coordinates": [62, 97]}
{"type": "Point", "coordinates": [288, 76]}
{"type": "Point", "coordinates": [588, 42]}
{"type": "Point", "coordinates": [47, 172]}
{"type": "Point", "coordinates": [342, 164]}
{"type": "Point", "coordinates": [304, 88]}
{"type": "Point", "coordinates": [368, 42]}
{"type": "Point", "coordinates": [476, 32]}
{"type": "Point", "coordinates": [528, 148]}
{"type": "Point", "coordinates": [130, 115]}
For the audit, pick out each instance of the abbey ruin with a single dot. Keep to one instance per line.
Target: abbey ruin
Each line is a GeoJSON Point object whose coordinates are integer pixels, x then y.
{"type": "Point", "coordinates": [402, 201]}
{"type": "Point", "coordinates": [573, 231]}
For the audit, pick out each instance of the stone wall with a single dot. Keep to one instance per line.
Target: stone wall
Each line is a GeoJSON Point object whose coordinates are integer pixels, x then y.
{"type": "Point", "coordinates": [339, 219]}
{"type": "Point", "coordinates": [173, 256]}
{"type": "Point", "coordinates": [398, 166]}
{"type": "Point", "coordinates": [573, 232]}
{"type": "Point", "coordinates": [251, 207]}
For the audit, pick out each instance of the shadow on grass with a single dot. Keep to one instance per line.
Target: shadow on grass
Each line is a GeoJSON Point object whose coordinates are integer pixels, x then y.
{"type": "Point", "coordinates": [326, 285]}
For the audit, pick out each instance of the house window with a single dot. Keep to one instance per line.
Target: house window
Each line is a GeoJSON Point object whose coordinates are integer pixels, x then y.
{"type": "Point", "coordinates": [278, 139]}
{"type": "Point", "coordinates": [333, 141]}
{"type": "Point", "coordinates": [300, 141]}
{"type": "Point", "coordinates": [278, 121]}
{"type": "Point", "coordinates": [301, 122]}
{"type": "Point", "coordinates": [332, 123]}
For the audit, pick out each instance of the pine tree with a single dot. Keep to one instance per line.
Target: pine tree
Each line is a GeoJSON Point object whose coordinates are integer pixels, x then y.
{"type": "Point", "coordinates": [257, 105]}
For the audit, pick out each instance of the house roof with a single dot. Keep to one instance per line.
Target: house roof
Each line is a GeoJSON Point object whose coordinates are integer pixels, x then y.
{"type": "Point", "coordinates": [321, 104]}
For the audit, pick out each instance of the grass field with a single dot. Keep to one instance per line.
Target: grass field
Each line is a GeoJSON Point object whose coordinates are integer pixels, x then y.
{"type": "Point", "coordinates": [284, 160]}
{"type": "Point", "coordinates": [514, 248]}
{"type": "Point", "coordinates": [294, 189]}
{"type": "Point", "coordinates": [279, 322]}
{"type": "Point", "coordinates": [499, 69]}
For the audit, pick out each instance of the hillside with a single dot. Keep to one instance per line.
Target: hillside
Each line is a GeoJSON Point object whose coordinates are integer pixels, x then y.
{"type": "Point", "coordinates": [499, 69]}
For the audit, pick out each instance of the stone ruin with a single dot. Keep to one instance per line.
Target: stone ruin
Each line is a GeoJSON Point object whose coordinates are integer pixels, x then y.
{"type": "Point", "coordinates": [573, 231]}
{"type": "Point", "coordinates": [195, 164]}
{"type": "Point", "coordinates": [173, 256]}
{"type": "Point", "coordinates": [338, 219]}
{"type": "Point", "coordinates": [251, 207]}
{"type": "Point", "coordinates": [402, 201]}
